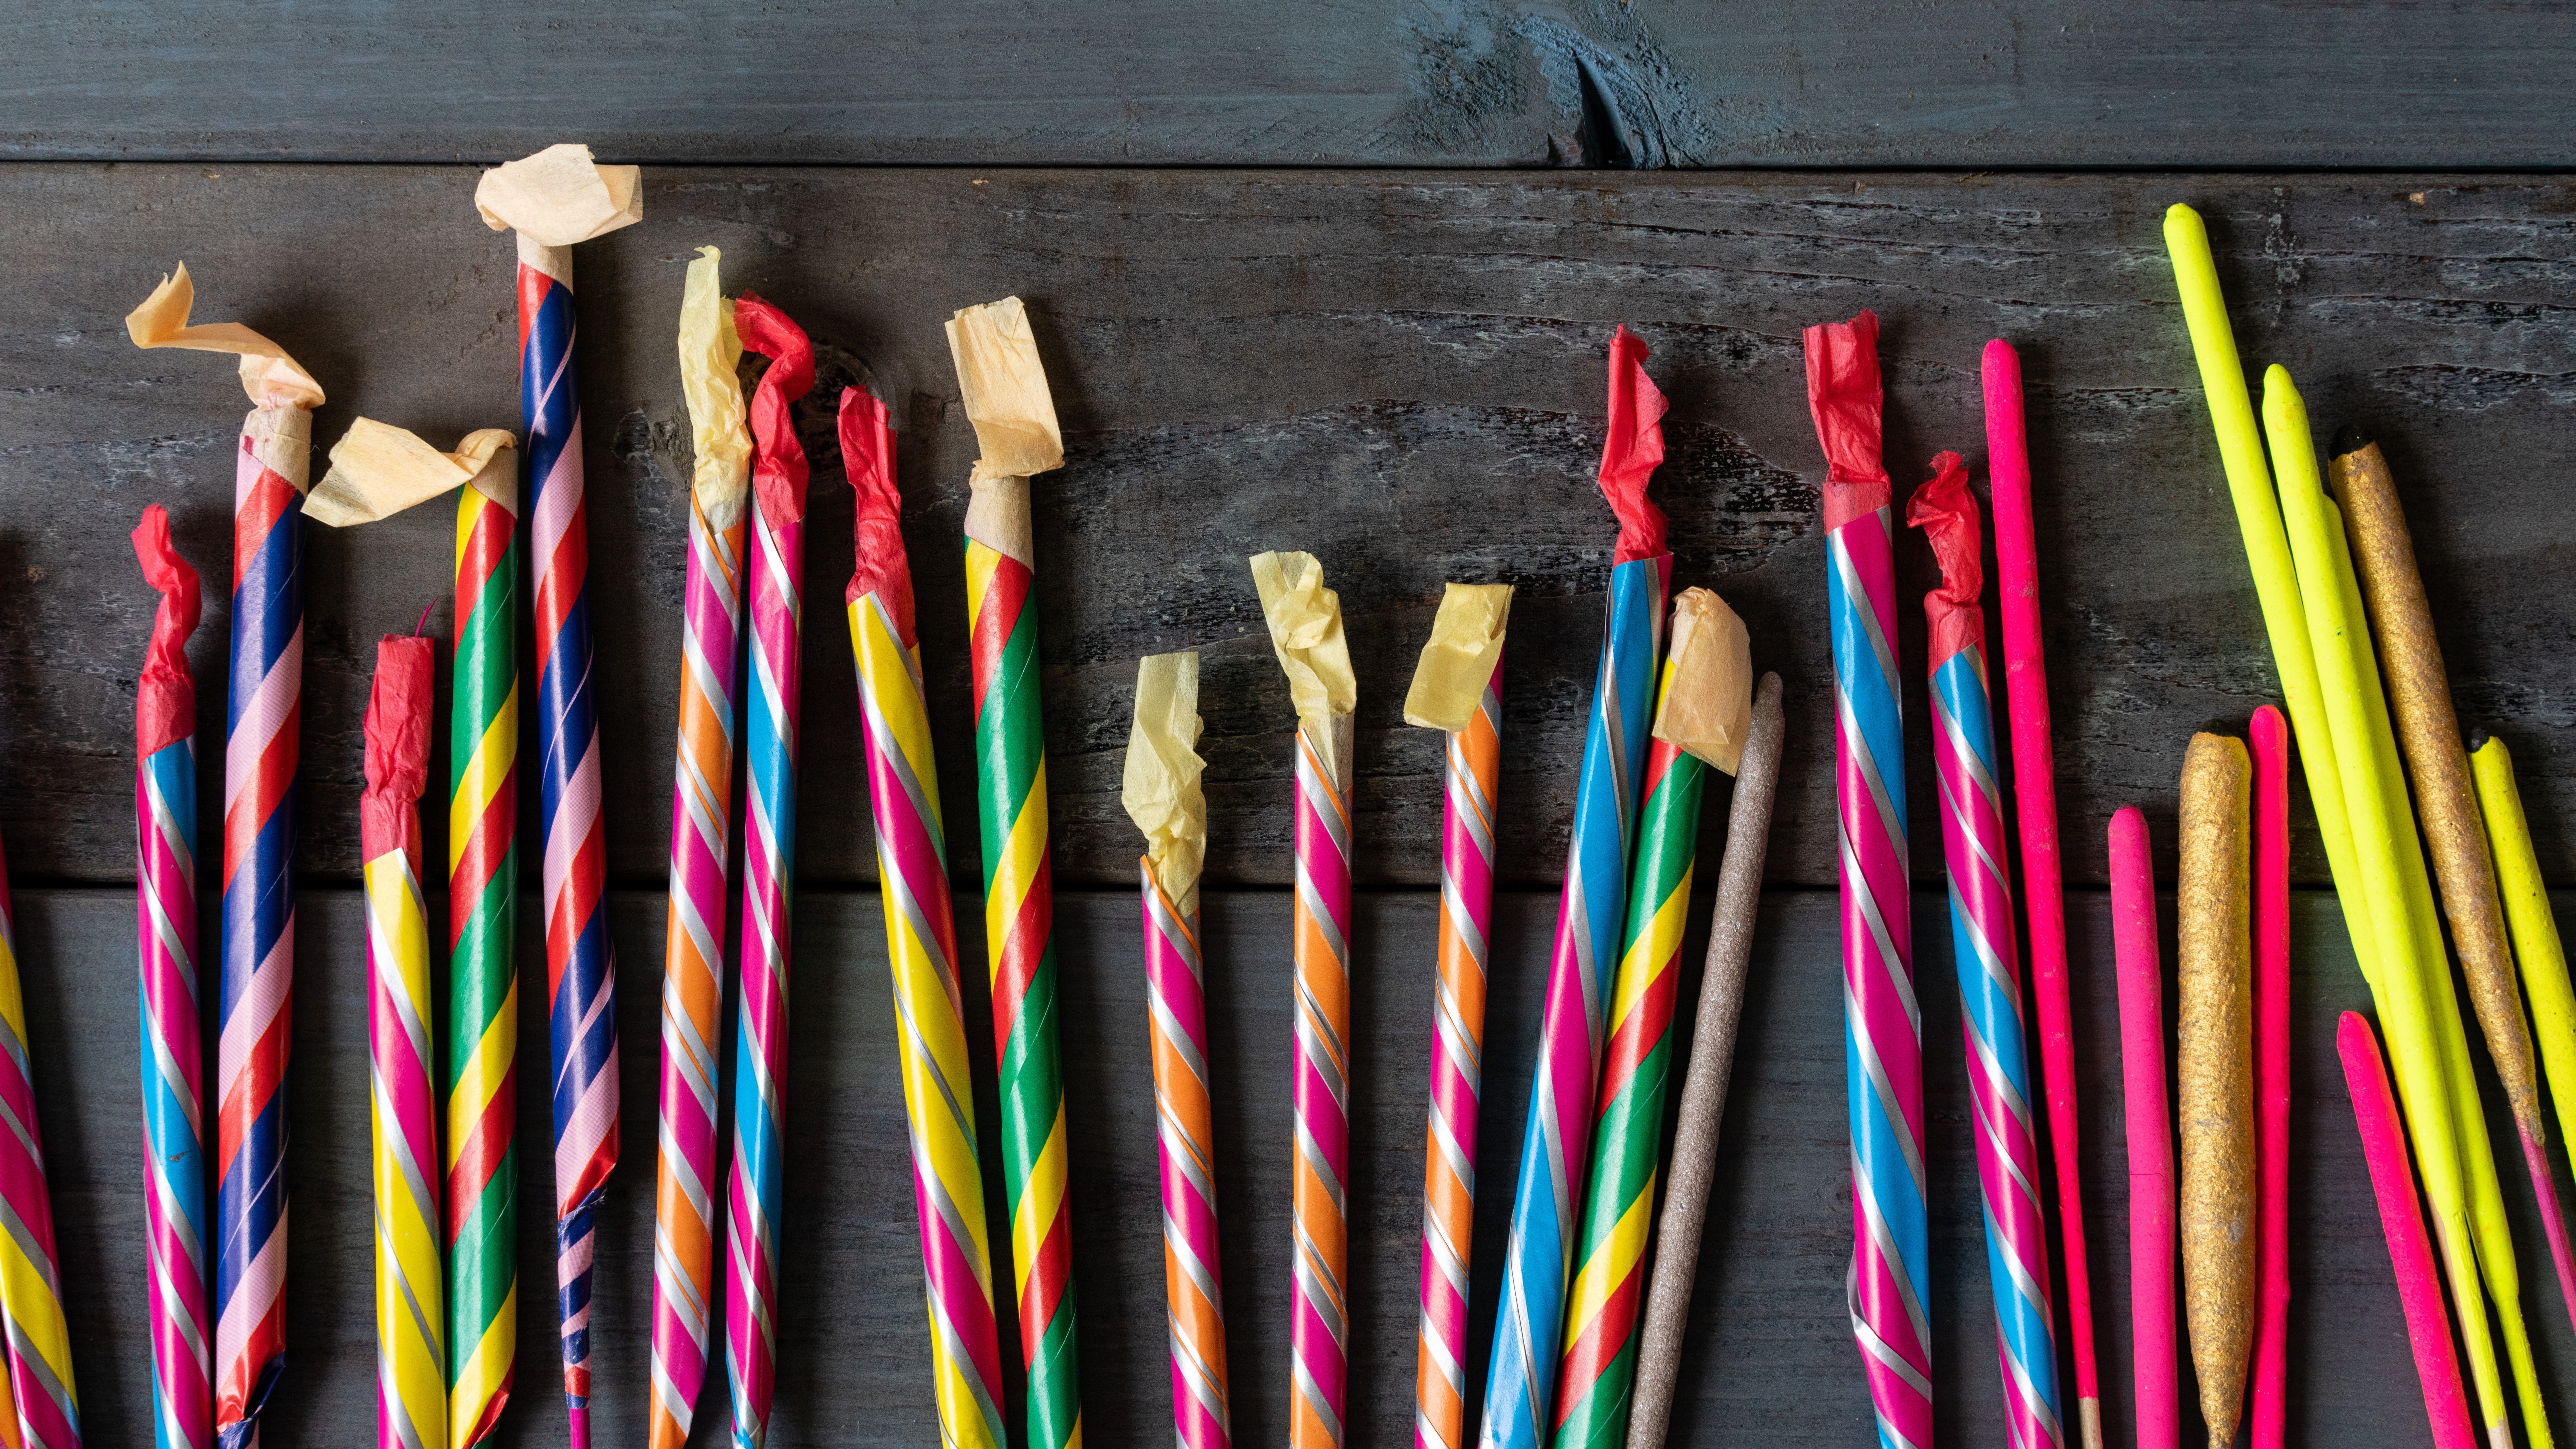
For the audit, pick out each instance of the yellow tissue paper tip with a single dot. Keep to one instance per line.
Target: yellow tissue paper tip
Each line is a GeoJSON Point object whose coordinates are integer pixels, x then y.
{"type": "Point", "coordinates": [1161, 786]}
{"type": "Point", "coordinates": [710, 353]}
{"type": "Point", "coordinates": [1005, 389]}
{"type": "Point", "coordinates": [560, 196]}
{"type": "Point", "coordinates": [378, 471]}
{"type": "Point", "coordinates": [1458, 661]}
{"type": "Point", "coordinates": [1305, 621]}
{"type": "Point", "coordinates": [1707, 705]}
{"type": "Point", "coordinates": [272, 378]}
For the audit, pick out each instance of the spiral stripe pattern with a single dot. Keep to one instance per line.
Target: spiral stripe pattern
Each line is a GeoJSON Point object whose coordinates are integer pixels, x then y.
{"type": "Point", "coordinates": [1019, 931]}
{"type": "Point", "coordinates": [1557, 1142]}
{"type": "Point", "coordinates": [1319, 1328]}
{"type": "Point", "coordinates": [1999, 1078]}
{"type": "Point", "coordinates": [938, 1092]}
{"type": "Point", "coordinates": [174, 1155]}
{"type": "Point", "coordinates": [411, 1319]}
{"type": "Point", "coordinates": [1185, 1148]}
{"type": "Point", "coordinates": [1472, 774]}
{"type": "Point", "coordinates": [40, 1350]}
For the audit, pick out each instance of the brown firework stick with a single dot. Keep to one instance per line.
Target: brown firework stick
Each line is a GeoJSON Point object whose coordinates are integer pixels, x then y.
{"type": "Point", "coordinates": [2217, 1071]}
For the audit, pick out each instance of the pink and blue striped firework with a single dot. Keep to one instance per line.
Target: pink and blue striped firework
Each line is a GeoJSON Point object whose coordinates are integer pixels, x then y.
{"type": "Point", "coordinates": [777, 589]}
{"type": "Point", "coordinates": [581, 968]}
{"type": "Point", "coordinates": [1983, 948]}
{"type": "Point", "coordinates": [1882, 1025]}
{"type": "Point", "coordinates": [1556, 1144]}
{"type": "Point", "coordinates": [165, 932]}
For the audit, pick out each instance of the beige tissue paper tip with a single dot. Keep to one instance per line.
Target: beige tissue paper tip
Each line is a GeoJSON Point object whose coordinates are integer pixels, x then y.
{"type": "Point", "coordinates": [1458, 662]}
{"type": "Point", "coordinates": [1707, 706]}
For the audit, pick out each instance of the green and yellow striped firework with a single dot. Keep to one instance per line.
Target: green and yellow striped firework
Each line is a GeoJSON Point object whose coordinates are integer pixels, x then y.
{"type": "Point", "coordinates": [1608, 1297]}
{"type": "Point", "coordinates": [483, 982]}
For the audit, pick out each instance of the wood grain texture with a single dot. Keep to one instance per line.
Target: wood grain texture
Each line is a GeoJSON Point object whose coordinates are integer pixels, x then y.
{"type": "Point", "coordinates": [1400, 373]}
{"type": "Point", "coordinates": [1769, 1345]}
{"type": "Point", "coordinates": [1303, 82]}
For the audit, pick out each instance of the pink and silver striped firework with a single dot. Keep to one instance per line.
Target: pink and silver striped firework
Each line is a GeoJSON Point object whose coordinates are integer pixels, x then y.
{"type": "Point", "coordinates": [777, 587]}
{"type": "Point", "coordinates": [1882, 1026]}
{"type": "Point", "coordinates": [165, 931]}
{"type": "Point", "coordinates": [1556, 1144]}
{"type": "Point", "coordinates": [1984, 951]}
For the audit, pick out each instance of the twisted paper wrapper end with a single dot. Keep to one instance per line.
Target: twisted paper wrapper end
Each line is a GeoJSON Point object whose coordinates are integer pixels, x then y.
{"type": "Point", "coordinates": [1947, 513]}
{"type": "Point", "coordinates": [397, 732]}
{"type": "Point", "coordinates": [1707, 707]}
{"type": "Point", "coordinates": [1458, 662]}
{"type": "Point", "coordinates": [378, 470]}
{"type": "Point", "coordinates": [273, 379]}
{"type": "Point", "coordinates": [778, 469]}
{"type": "Point", "coordinates": [1844, 394]}
{"type": "Point", "coordinates": [867, 451]}
{"type": "Point", "coordinates": [556, 198]}
{"type": "Point", "coordinates": [1007, 399]}
{"type": "Point", "coordinates": [1305, 620]}
{"type": "Point", "coordinates": [1161, 787]}
{"type": "Point", "coordinates": [1633, 450]}
{"type": "Point", "coordinates": [165, 705]}
{"type": "Point", "coordinates": [710, 351]}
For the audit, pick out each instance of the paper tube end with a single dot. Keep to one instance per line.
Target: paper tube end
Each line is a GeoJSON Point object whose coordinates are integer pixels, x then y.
{"type": "Point", "coordinates": [1707, 704]}
{"type": "Point", "coordinates": [1305, 620]}
{"type": "Point", "coordinates": [1161, 787]}
{"type": "Point", "coordinates": [560, 196]}
{"type": "Point", "coordinates": [1459, 660]}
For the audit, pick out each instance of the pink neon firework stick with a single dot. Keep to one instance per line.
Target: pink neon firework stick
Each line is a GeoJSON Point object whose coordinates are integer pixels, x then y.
{"type": "Point", "coordinates": [2150, 1132]}
{"type": "Point", "coordinates": [2419, 1285]}
{"type": "Point", "coordinates": [2270, 736]}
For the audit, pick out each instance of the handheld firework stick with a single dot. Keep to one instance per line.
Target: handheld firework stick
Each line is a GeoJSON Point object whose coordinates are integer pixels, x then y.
{"type": "Point", "coordinates": [2149, 1135]}
{"type": "Point", "coordinates": [2364, 897]}
{"type": "Point", "coordinates": [1457, 689]}
{"type": "Point", "coordinates": [1703, 1104]}
{"type": "Point", "coordinates": [2535, 929]}
{"type": "Point", "coordinates": [684, 1166]}
{"type": "Point", "coordinates": [777, 596]}
{"type": "Point", "coordinates": [1882, 1033]}
{"type": "Point", "coordinates": [2426, 1027]}
{"type": "Point", "coordinates": [1305, 620]}
{"type": "Point", "coordinates": [2269, 737]}
{"type": "Point", "coordinates": [1538, 1255]}
{"type": "Point", "coordinates": [402, 1102]}
{"type": "Point", "coordinates": [1162, 795]}
{"type": "Point", "coordinates": [2429, 733]}
{"type": "Point", "coordinates": [1006, 399]}
{"type": "Point", "coordinates": [377, 471]}
{"type": "Point", "coordinates": [165, 931]}
{"type": "Point", "coordinates": [2035, 825]}
{"type": "Point", "coordinates": [921, 946]}
{"type": "Point", "coordinates": [264, 723]}
{"type": "Point", "coordinates": [1703, 706]}
{"type": "Point", "coordinates": [2419, 1285]}
{"type": "Point", "coordinates": [47, 1412]}
{"type": "Point", "coordinates": [553, 200]}
{"type": "Point", "coordinates": [2216, 981]}
{"type": "Point", "coordinates": [1989, 966]}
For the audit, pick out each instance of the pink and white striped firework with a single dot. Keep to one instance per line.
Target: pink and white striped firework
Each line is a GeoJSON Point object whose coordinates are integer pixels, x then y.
{"type": "Point", "coordinates": [777, 586]}
{"type": "Point", "coordinates": [1882, 1026]}
{"type": "Point", "coordinates": [1989, 967]}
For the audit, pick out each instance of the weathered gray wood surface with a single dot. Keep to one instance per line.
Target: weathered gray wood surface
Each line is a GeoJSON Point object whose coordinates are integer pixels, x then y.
{"type": "Point", "coordinates": [1310, 82]}
{"type": "Point", "coordinates": [1770, 1359]}
{"type": "Point", "coordinates": [1399, 373]}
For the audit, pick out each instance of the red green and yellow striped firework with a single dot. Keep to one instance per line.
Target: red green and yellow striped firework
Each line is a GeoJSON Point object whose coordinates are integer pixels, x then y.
{"type": "Point", "coordinates": [411, 1322]}
{"type": "Point", "coordinates": [1006, 399]}
{"type": "Point", "coordinates": [921, 947]}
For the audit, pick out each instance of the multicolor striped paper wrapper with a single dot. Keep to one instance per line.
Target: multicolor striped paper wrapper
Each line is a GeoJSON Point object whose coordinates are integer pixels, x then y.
{"type": "Point", "coordinates": [921, 947]}
{"type": "Point", "coordinates": [1006, 397]}
{"type": "Point", "coordinates": [173, 1037]}
{"type": "Point", "coordinates": [684, 1168]}
{"type": "Point", "coordinates": [1458, 690]}
{"type": "Point", "coordinates": [1600, 1363]}
{"type": "Point", "coordinates": [402, 1099]}
{"type": "Point", "coordinates": [1538, 1254]}
{"type": "Point", "coordinates": [1161, 792]}
{"type": "Point", "coordinates": [263, 725]}
{"type": "Point", "coordinates": [40, 1350]}
{"type": "Point", "coordinates": [553, 200]}
{"type": "Point", "coordinates": [777, 587]}
{"type": "Point", "coordinates": [1882, 1028]}
{"type": "Point", "coordinates": [1984, 951]}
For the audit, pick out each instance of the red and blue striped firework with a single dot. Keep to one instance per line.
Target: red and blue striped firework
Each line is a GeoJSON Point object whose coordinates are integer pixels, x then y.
{"type": "Point", "coordinates": [165, 931]}
{"type": "Point", "coordinates": [263, 724]}
{"type": "Point", "coordinates": [1520, 1384]}
{"type": "Point", "coordinates": [557, 198]}
{"type": "Point", "coordinates": [921, 947]}
{"type": "Point", "coordinates": [1882, 1026]}
{"type": "Point", "coordinates": [684, 1225]}
{"type": "Point", "coordinates": [1982, 944]}
{"type": "Point", "coordinates": [777, 585]}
